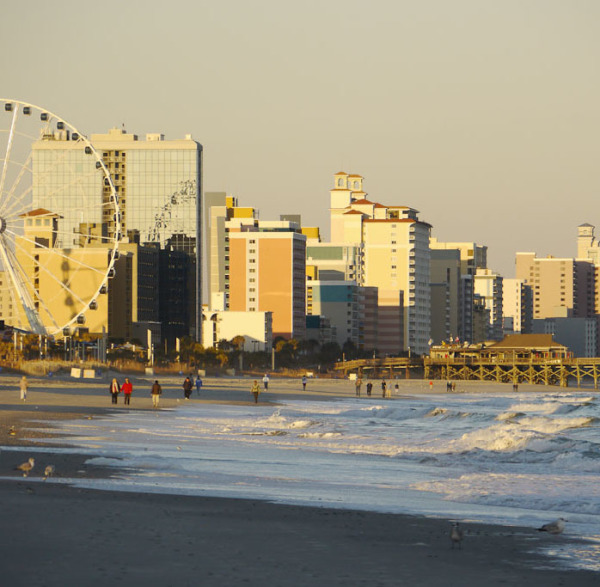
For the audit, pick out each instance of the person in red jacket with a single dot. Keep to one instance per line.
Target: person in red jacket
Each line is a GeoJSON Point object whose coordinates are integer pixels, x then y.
{"type": "Point", "coordinates": [127, 388]}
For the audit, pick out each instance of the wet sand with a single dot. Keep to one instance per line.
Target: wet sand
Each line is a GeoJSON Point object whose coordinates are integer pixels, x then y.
{"type": "Point", "coordinates": [57, 534]}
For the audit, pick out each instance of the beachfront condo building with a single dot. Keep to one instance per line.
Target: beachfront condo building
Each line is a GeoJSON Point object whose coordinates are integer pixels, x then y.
{"type": "Point", "coordinates": [471, 257]}
{"type": "Point", "coordinates": [159, 185]}
{"type": "Point", "coordinates": [339, 301]}
{"type": "Point", "coordinates": [395, 259]}
{"type": "Point", "coordinates": [218, 209]}
{"type": "Point", "coordinates": [561, 287]}
{"type": "Point", "coordinates": [266, 272]}
{"type": "Point", "coordinates": [488, 286]}
{"type": "Point", "coordinates": [130, 298]}
{"type": "Point", "coordinates": [445, 282]}
{"type": "Point", "coordinates": [340, 265]}
{"type": "Point", "coordinates": [517, 305]}
{"type": "Point", "coordinates": [579, 334]}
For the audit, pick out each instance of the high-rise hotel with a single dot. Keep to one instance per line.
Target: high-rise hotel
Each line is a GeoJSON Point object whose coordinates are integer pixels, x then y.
{"type": "Point", "coordinates": [159, 185]}
{"type": "Point", "coordinates": [395, 259]}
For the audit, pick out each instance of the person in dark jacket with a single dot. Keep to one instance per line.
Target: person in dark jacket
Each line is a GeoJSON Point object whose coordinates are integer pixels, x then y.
{"type": "Point", "coordinates": [156, 393]}
{"type": "Point", "coordinates": [187, 388]}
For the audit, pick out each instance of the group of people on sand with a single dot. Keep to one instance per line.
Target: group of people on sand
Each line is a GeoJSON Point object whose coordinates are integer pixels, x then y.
{"type": "Point", "coordinates": [386, 391]}
{"type": "Point", "coordinates": [127, 388]}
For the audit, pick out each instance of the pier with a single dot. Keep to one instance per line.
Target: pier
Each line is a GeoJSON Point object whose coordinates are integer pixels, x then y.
{"type": "Point", "coordinates": [526, 358]}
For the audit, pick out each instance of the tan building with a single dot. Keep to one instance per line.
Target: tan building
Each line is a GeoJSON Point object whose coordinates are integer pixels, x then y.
{"type": "Point", "coordinates": [59, 279]}
{"type": "Point", "coordinates": [489, 287]}
{"type": "Point", "coordinates": [471, 257]}
{"type": "Point", "coordinates": [219, 208]}
{"type": "Point", "coordinates": [560, 287]}
{"type": "Point", "coordinates": [517, 304]}
{"type": "Point", "coordinates": [395, 259]}
{"type": "Point", "coordinates": [267, 267]}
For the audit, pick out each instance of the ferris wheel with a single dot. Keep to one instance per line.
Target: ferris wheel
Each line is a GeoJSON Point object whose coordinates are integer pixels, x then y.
{"type": "Point", "coordinates": [60, 224]}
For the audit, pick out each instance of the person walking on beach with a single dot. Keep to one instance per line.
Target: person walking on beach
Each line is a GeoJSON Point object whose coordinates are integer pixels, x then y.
{"type": "Point", "coordinates": [156, 393]}
{"type": "Point", "coordinates": [127, 388]}
{"type": "Point", "coordinates": [255, 389]}
{"type": "Point", "coordinates": [114, 389]}
{"type": "Point", "coordinates": [266, 382]}
{"type": "Point", "coordinates": [369, 388]}
{"type": "Point", "coordinates": [187, 388]}
{"type": "Point", "coordinates": [304, 380]}
{"type": "Point", "coordinates": [198, 384]}
{"type": "Point", "coordinates": [23, 387]}
{"type": "Point", "coordinates": [358, 385]}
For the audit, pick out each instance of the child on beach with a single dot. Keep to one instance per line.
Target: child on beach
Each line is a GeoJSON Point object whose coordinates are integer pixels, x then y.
{"type": "Point", "coordinates": [23, 387]}
{"type": "Point", "coordinates": [198, 384]}
{"type": "Point", "coordinates": [255, 389]}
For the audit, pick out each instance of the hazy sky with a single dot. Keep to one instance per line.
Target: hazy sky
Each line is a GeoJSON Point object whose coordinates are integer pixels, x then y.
{"type": "Point", "coordinates": [483, 115]}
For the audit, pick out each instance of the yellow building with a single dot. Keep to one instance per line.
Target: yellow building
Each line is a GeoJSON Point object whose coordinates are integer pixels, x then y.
{"type": "Point", "coordinates": [395, 259]}
{"type": "Point", "coordinates": [63, 284]}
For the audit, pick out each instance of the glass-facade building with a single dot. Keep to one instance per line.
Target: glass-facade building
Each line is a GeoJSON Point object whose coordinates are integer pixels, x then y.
{"type": "Point", "coordinates": [159, 186]}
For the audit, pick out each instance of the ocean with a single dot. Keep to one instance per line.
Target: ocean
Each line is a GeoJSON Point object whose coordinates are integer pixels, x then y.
{"type": "Point", "coordinates": [513, 459]}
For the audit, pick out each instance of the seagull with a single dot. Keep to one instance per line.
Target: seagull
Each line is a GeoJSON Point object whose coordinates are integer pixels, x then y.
{"type": "Point", "coordinates": [48, 471]}
{"type": "Point", "coordinates": [555, 527]}
{"type": "Point", "coordinates": [26, 467]}
{"type": "Point", "coordinates": [456, 535]}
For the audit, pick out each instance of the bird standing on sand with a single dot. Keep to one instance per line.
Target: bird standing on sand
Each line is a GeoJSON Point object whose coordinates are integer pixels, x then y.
{"type": "Point", "coordinates": [555, 527]}
{"type": "Point", "coordinates": [26, 467]}
{"type": "Point", "coordinates": [48, 471]}
{"type": "Point", "coordinates": [456, 535]}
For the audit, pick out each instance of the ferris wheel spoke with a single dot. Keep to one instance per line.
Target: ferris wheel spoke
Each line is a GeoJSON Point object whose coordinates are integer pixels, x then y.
{"type": "Point", "coordinates": [36, 297]}
{"type": "Point", "coordinates": [9, 145]}
{"type": "Point", "coordinates": [15, 208]}
{"type": "Point", "coordinates": [74, 185]}
{"type": "Point", "coordinates": [19, 280]}
{"type": "Point", "coordinates": [56, 252]}
{"type": "Point", "coordinates": [24, 167]}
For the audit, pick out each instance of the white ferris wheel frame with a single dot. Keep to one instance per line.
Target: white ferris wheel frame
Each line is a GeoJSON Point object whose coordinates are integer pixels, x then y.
{"type": "Point", "coordinates": [18, 277]}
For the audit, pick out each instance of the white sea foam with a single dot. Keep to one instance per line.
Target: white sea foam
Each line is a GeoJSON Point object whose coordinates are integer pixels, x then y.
{"type": "Point", "coordinates": [475, 456]}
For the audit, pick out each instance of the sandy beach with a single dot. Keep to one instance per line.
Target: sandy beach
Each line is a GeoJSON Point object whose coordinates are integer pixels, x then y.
{"type": "Point", "coordinates": [58, 534]}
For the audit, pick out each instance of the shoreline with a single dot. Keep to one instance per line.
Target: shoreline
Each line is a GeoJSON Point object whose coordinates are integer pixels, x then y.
{"type": "Point", "coordinates": [215, 540]}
